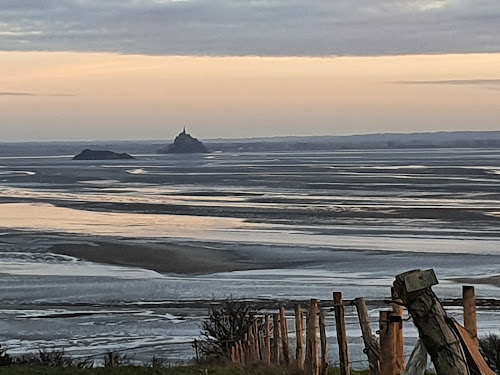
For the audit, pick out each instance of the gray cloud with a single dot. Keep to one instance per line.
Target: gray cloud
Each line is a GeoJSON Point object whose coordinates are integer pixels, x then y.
{"type": "Point", "coordinates": [475, 82]}
{"type": "Point", "coordinates": [29, 94]}
{"type": "Point", "coordinates": [11, 93]}
{"type": "Point", "coordinates": [252, 27]}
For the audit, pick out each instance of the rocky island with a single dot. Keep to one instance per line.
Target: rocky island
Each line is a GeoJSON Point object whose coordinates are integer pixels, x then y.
{"type": "Point", "coordinates": [184, 143]}
{"type": "Point", "coordinates": [88, 154]}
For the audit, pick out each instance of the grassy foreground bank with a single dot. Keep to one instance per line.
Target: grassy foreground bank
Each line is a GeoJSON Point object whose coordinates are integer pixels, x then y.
{"type": "Point", "coordinates": [130, 370]}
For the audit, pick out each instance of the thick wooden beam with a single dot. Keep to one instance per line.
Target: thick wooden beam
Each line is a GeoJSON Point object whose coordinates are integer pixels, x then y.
{"type": "Point", "coordinates": [440, 341]}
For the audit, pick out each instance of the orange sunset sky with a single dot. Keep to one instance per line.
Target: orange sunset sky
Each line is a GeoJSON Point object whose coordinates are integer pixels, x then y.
{"type": "Point", "coordinates": [53, 86]}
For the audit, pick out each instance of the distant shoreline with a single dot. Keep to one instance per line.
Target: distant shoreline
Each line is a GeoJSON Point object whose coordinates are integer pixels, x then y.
{"type": "Point", "coordinates": [382, 141]}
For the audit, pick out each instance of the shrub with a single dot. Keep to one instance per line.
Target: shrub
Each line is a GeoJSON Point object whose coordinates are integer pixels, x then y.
{"type": "Point", "coordinates": [490, 348]}
{"type": "Point", "coordinates": [114, 359]}
{"type": "Point", "coordinates": [225, 325]}
{"type": "Point", "coordinates": [5, 359]}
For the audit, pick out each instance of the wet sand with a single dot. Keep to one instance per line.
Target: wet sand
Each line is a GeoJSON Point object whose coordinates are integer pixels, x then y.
{"type": "Point", "coordinates": [491, 280]}
{"type": "Point", "coordinates": [162, 258]}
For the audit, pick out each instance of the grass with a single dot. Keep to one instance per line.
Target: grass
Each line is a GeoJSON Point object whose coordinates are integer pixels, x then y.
{"type": "Point", "coordinates": [133, 370]}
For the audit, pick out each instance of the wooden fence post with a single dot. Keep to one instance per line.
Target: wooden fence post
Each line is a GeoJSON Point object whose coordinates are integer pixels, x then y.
{"type": "Point", "coordinates": [246, 348]}
{"type": "Point", "coordinates": [339, 308]}
{"type": "Point", "coordinates": [397, 326]}
{"type": "Point", "coordinates": [284, 337]}
{"type": "Point", "coordinates": [312, 361]}
{"type": "Point", "coordinates": [267, 340]}
{"type": "Point", "coordinates": [388, 365]}
{"type": "Point", "coordinates": [322, 339]}
{"type": "Point", "coordinates": [299, 333]}
{"type": "Point", "coordinates": [469, 304]}
{"type": "Point", "coordinates": [256, 346]}
{"type": "Point", "coordinates": [372, 348]}
{"type": "Point", "coordinates": [440, 341]}
{"type": "Point", "coordinates": [276, 339]}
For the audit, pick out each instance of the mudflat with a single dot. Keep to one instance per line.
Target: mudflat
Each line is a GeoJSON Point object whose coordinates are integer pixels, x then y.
{"type": "Point", "coordinates": [162, 258]}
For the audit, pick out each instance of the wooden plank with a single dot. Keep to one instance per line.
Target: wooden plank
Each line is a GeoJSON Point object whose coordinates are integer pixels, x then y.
{"type": "Point", "coordinates": [339, 308]}
{"type": "Point", "coordinates": [372, 348]}
{"type": "Point", "coordinates": [471, 347]}
{"type": "Point", "coordinates": [417, 363]}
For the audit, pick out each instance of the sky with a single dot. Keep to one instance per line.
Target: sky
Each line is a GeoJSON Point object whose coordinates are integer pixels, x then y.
{"type": "Point", "coordinates": [143, 69]}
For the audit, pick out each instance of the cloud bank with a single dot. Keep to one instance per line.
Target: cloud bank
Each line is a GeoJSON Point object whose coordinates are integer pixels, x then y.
{"type": "Point", "coordinates": [252, 27]}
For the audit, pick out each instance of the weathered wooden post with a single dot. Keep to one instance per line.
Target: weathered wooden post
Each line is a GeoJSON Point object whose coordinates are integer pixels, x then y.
{"type": "Point", "coordinates": [388, 365]}
{"type": "Point", "coordinates": [339, 308]}
{"type": "Point", "coordinates": [417, 363]}
{"type": "Point", "coordinates": [299, 332]}
{"type": "Point", "coordinates": [440, 341]}
{"type": "Point", "coordinates": [469, 305]}
{"type": "Point", "coordinates": [251, 345]}
{"type": "Point", "coordinates": [397, 322]}
{"type": "Point", "coordinates": [246, 349]}
{"type": "Point", "coordinates": [256, 346]}
{"type": "Point", "coordinates": [276, 339]}
{"type": "Point", "coordinates": [196, 351]}
{"type": "Point", "coordinates": [312, 359]}
{"type": "Point", "coordinates": [284, 338]}
{"type": "Point", "coordinates": [323, 343]}
{"type": "Point", "coordinates": [241, 352]}
{"type": "Point", "coordinates": [372, 348]}
{"type": "Point", "coordinates": [267, 341]}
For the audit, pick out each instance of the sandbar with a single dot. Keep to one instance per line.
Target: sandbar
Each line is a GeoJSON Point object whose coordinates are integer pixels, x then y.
{"type": "Point", "coordinates": [162, 258]}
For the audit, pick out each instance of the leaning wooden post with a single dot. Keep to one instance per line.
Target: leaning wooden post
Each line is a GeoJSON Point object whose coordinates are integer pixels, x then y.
{"type": "Point", "coordinates": [388, 364]}
{"type": "Point", "coordinates": [276, 339]}
{"type": "Point", "coordinates": [284, 337]}
{"type": "Point", "coordinates": [372, 348]}
{"type": "Point", "coordinates": [469, 305]}
{"type": "Point", "coordinates": [440, 341]}
{"type": "Point", "coordinates": [312, 359]}
{"type": "Point", "coordinates": [397, 323]}
{"type": "Point", "coordinates": [267, 341]}
{"type": "Point", "coordinates": [322, 340]}
{"type": "Point", "coordinates": [299, 333]}
{"type": "Point", "coordinates": [339, 308]}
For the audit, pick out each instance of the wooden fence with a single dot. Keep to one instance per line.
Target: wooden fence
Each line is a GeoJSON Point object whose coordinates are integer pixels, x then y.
{"type": "Point", "coordinates": [452, 348]}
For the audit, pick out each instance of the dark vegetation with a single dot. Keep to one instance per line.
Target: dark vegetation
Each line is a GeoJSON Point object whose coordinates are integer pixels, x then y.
{"type": "Point", "coordinates": [490, 349]}
{"type": "Point", "coordinates": [225, 325]}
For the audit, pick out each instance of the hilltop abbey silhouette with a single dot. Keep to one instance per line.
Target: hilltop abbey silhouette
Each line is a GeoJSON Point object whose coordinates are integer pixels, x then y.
{"type": "Point", "coordinates": [184, 143]}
